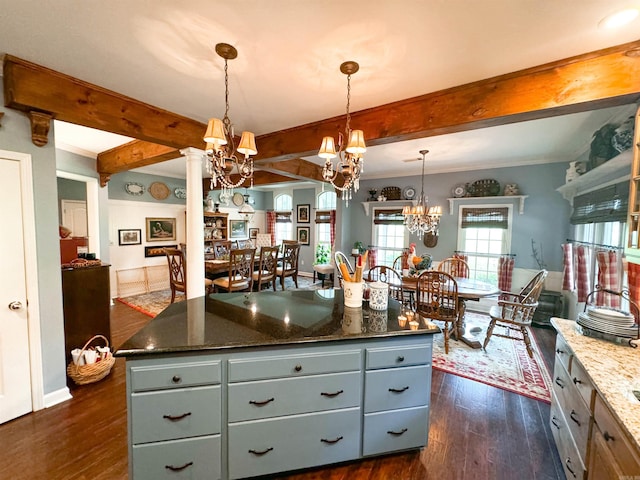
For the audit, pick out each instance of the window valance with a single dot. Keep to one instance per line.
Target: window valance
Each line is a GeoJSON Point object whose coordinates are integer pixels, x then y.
{"type": "Point", "coordinates": [487, 217]}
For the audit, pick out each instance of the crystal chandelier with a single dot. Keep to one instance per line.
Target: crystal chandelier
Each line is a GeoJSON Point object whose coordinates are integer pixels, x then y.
{"type": "Point", "coordinates": [420, 218]}
{"type": "Point", "coordinates": [222, 161]}
{"type": "Point", "coordinates": [351, 160]}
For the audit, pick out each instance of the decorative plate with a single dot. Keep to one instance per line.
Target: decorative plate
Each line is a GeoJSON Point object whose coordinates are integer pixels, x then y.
{"type": "Point", "coordinates": [409, 193]}
{"type": "Point", "coordinates": [159, 190]}
{"type": "Point", "coordinates": [134, 188]}
{"type": "Point", "coordinates": [238, 199]}
{"type": "Point", "coordinates": [223, 199]}
{"type": "Point", "coordinates": [459, 190]}
{"type": "Point", "coordinates": [180, 193]}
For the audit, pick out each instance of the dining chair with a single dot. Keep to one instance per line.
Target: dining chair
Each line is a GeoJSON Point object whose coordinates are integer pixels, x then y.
{"type": "Point", "coordinates": [289, 262]}
{"type": "Point", "coordinates": [240, 276]}
{"type": "Point", "coordinates": [382, 273]}
{"type": "Point", "coordinates": [456, 267]}
{"type": "Point", "coordinates": [221, 249]}
{"type": "Point", "coordinates": [515, 312]}
{"type": "Point", "coordinates": [262, 240]}
{"type": "Point", "coordinates": [178, 271]}
{"type": "Point", "coordinates": [437, 299]}
{"type": "Point", "coordinates": [266, 272]}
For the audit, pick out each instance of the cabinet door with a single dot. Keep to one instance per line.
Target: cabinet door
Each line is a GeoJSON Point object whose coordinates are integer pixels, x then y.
{"type": "Point", "coordinates": [602, 464]}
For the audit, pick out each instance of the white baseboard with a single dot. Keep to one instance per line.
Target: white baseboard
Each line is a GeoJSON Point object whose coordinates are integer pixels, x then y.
{"type": "Point", "coordinates": [59, 396]}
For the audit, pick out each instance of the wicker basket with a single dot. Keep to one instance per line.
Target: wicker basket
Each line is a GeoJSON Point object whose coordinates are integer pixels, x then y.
{"type": "Point", "coordinates": [82, 263]}
{"type": "Point", "coordinates": [93, 372]}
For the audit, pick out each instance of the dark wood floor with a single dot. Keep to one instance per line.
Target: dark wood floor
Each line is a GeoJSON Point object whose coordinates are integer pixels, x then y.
{"type": "Point", "coordinates": [477, 432]}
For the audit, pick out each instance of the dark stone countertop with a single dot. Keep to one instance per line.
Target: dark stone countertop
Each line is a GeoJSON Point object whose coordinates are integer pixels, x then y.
{"type": "Point", "coordinates": [226, 321]}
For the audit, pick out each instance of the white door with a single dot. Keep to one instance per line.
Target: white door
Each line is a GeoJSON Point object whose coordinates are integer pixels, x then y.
{"type": "Point", "coordinates": [15, 383]}
{"type": "Point", "coordinates": [74, 217]}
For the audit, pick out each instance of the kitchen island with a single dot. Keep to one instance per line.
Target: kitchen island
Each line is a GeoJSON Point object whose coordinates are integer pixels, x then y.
{"type": "Point", "coordinates": [245, 384]}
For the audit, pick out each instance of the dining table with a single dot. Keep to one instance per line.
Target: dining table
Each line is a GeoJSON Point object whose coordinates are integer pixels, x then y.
{"type": "Point", "coordinates": [468, 290]}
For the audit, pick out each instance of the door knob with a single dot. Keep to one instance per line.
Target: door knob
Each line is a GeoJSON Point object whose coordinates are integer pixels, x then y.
{"type": "Point", "coordinates": [15, 305]}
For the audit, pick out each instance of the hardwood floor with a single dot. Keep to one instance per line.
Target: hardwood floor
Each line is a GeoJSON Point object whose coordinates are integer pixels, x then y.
{"type": "Point", "coordinates": [477, 432]}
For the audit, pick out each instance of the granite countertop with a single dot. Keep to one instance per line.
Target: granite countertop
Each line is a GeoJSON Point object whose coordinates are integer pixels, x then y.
{"type": "Point", "coordinates": [246, 320]}
{"type": "Point", "coordinates": [614, 369]}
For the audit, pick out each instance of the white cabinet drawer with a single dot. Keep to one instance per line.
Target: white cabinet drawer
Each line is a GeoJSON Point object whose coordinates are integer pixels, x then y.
{"type": "Point", "coordinates": [290, 396]}
{"type": "Point", "coordinates": [564, 354]}
{"type": "Point", "coordinates": [572, 463]}
{"type": "Point", "coordinates": [192, 458]}
{"type": "Point", "coordinates": [171, 414]}
{"type": "Point", "coordinates": [396, 388]}
{"type": "Point", "coordinates": [387, 357]}
{"type": "Point", "coordinates": [174, 375]}
{"type": "Point", "coordinates": [582, 383]}
{"type": "Point", "coordinates": [275, 445]}
{"type": "Point", "coordinates": [282, 366]}
{"type": "Point", "coordinates": [395, 430]}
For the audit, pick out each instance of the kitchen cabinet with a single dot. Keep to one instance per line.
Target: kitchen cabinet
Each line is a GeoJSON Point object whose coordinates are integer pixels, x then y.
{"type": "Point", "coordinates": [215, 227]}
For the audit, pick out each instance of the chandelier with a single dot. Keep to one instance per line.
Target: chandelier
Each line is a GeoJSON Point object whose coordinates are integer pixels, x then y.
{"type": "Point", "coordinates": [221, 159]}
{"type": "Point", "coordinates": [351, 160]}
{"type": "Point", "coordinates": [420, 218]}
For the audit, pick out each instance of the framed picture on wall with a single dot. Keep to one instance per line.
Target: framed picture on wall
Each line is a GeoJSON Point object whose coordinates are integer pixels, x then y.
{"type": "Point", "coordinates": [253, 233]}
{"type": "Point", "coordinates": [303, 235]}
{"type": "Point", "coordinates": [160, 229]}
{"type": "Point", "coordinates": [304, 215]}
{"type": "Point", "coordinates": [157, 251]}
{"type": "Point", "coordinates": [130, 236]}
{"type": "Point", "coordinates": [238, 229]}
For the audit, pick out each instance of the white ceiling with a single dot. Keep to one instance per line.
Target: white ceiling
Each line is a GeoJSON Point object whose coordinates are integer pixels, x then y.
{"type": "Point", "coordinates": [287, 70]}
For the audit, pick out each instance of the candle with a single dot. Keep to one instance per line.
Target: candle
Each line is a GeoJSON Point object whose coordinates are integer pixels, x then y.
{"type": "Point", "coordinates": [413, 325]}
{"type": "Point", "coordinates": [402, 321]}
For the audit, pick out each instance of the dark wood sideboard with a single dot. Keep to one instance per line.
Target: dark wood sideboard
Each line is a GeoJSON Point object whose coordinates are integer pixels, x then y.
{"type": "Point", "coordinates": [86, 300]}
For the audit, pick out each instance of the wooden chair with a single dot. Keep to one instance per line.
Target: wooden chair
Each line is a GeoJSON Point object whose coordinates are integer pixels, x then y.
{"type": "Point", "coordinates": [240, 276]}
{"type": "Point", "coordinates": [437, 299]}
{"type": "Point", "coordinates": [267, 268]}
{"type": "Point", "coordinates": [515, 312]}
{"type": "Point", "coordinates": [456, 267]}
{"type": "Point", "coordinates": [289, 262]}
{"type": "Point", "coordinates": [177, 271]}
{"type": "Point", "coordinates": [221, 249]}
{"type": "Point", "coordinates": [397, 263]}
{"type": "Point", "coordinates": [388, 275]}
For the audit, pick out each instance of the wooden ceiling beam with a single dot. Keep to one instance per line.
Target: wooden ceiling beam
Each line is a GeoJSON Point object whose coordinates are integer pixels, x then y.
{"type": "Point", "coordinates": [30, 87]}
{"type": "Point", "coordinates": [297, 168]}
{"type": "Point", "coordinates": [134, 154]}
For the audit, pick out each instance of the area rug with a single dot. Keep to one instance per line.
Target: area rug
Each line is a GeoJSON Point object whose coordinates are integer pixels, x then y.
{"type": "Point", "coordinates": [505, 364]}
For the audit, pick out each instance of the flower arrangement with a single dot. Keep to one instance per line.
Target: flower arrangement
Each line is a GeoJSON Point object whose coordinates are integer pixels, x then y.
{"type": "Point", "coordinates": [322, 254]}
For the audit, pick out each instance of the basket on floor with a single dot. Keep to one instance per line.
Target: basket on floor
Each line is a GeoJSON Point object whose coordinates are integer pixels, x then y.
{"type": "Point", "coordinates": [93, 372]}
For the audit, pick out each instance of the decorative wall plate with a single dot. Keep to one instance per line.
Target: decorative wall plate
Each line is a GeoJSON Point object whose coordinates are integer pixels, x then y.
{"type": "Point", "coordinates": [459, 190]}
{"type": "Point", "coordinates": [134, 188]}
{"type": "Point", "coordinates": [180, 193]}
{"type": "Point", "coordinates": [238, 199]}
{"type": "Point", "coordinates": [223, 199]}
{"type": "Point", "coordinates": [159, 190]}
{"type": "Point", "coordinates": [409, 193]}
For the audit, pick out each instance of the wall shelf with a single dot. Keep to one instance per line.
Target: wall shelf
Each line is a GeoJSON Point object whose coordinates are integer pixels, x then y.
{"type": "Point", "coordinates": [616, 170]}
{"type": "Point", "coordinates": [387, 203]}
{"type": "Point", "coordinates": [519, 198]}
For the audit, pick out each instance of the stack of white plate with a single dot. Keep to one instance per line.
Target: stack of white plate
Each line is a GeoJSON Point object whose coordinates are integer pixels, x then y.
{"type": "Point", "coordinates": [609, 320]}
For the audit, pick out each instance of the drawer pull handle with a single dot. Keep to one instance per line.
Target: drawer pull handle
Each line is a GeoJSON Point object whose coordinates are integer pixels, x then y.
{"type": "Point", "coordinates": [608, 437]}
{"type": "Point", "coordinates": [560, 352]}
{"type": "Point", "coordinates": [298, 368]}
{"type": "Point", "coordinates": [559, 382]}
{"type": "Point", "coordinates": [176, 379]}
{"type": "Point", "coordinates": [553, 422]}
{"type": "Point", "coordinates": [261, 404]}
{"type": "Point", "coordinates": [571, 415]}
{"type": "Point", "coordinates": [324, 440]}
{"type": "Point", "coordinates": [178, 469]}
{"type": "Point", "coordinates": [400, 359]}
{"type": "Point", "coordinates": [261, 452]}
{"type": "Point", "coordinates": [399, 390]}
{"type": "Point", "coordinates": [576, 381]}
{"type": "Point", "coordinates": [331, 395]}
{"type": "Point", "coordinates": [175, 418]}
{"type": "Point", "coordinates": [567, 462]}
{"type": "Point", "coordinates": [391, 432]}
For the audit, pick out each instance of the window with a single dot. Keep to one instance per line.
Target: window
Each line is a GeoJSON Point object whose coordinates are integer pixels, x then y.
{"type": "Point", "coordinates": [326, 202]}
{"type": "Point", "coordinates": [389, 235]}
{"type": "Point", "coordinates": [284, 228]}
{"type": "Point", "coordinates": [484, 233]}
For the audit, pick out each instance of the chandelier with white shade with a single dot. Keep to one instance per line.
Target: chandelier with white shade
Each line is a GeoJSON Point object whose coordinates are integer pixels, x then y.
{"type": "Point", "coordinates": [222, 160]}
{"type": "Point", "coordinates": [351, 160]}
{"type": "Point", "coordinates": [420, 218]}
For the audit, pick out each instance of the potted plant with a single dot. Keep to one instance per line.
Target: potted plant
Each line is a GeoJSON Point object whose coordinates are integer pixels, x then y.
{"type": "Point", "coordinates": [358, 248]}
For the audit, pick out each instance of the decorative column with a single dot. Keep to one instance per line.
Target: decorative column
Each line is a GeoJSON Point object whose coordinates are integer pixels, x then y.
{"type": "Point", "coordinates": [195, 223]}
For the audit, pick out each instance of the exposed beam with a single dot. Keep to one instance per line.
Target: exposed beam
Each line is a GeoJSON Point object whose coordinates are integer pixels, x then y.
{"type": "Point", "coordinates": [604, 78]}
{"type": "Point", "coordinates": [28, 87]}
{"type": "Point", "coordinates": [134, 154]}
{"type": "Point", "coordinates": [297, 168]}
{"type": "Point", "coordinates": [260, 178]}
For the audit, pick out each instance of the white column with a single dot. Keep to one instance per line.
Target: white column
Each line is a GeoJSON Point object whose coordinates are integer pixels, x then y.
{"type": "Point", "coordinates": [195, 224]}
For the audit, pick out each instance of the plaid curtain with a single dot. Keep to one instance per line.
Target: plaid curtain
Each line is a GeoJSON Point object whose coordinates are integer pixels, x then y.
{"type": "Point", "coordinates": [373, 257]}
{"type": "Point", "coordinates": [583, 255]}
{"type": "Point", "coordinates": [505, 272]}
{"type": "Point", "coordinates": [633, 279]}
{"type": "Point", "coordinates": [608, 277]}
{"type": "Point", "coordinates": [461, 272]}
{"type": "Point", "coordinates": [271, 226]}
{"type": "Point", "coordinates": [332, 227]}
{"type": "Point", "coordinates": [568, 280]}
